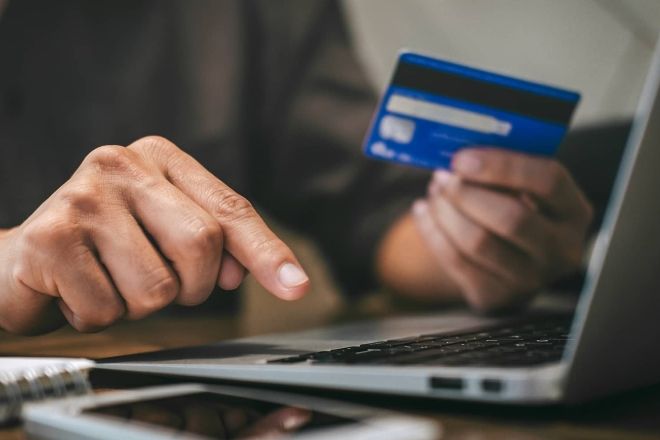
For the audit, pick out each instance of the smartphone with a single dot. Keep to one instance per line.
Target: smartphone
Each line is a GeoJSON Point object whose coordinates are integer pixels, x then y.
{"type": "Point", "coordinates": [198, 411]}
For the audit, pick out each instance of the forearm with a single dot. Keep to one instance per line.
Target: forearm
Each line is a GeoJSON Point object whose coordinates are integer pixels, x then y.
{"type": "Point", "coordinates": [406, 266]}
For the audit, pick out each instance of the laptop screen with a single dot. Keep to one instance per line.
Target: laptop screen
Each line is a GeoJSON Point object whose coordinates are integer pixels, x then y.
{"type": "Point", "coordinates": [593, 153]}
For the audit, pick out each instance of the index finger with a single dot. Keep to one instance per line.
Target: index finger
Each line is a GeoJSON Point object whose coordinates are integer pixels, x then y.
{"type": "Point", "coordinates": [247, 237]}
{"type": "Point", "coordinates": [544, 178]}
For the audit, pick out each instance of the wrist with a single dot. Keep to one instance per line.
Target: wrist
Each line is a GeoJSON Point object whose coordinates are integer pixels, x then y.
{"type": "Point", "coordinates": [406, 266]}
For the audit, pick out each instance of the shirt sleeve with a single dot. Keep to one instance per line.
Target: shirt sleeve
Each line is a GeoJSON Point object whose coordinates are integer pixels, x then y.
{"type": "Point", "coordinates": [309, 111]}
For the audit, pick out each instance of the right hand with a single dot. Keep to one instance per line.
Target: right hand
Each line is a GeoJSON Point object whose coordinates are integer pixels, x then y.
{"type": "Point", "coordinates": [134, 229]}
{"type": "Point", "coordinates": [503, 225]}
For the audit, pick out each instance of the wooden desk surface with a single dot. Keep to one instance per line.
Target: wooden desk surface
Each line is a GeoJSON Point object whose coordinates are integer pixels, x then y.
{"type": "Point", "coordinates": [632, 416]}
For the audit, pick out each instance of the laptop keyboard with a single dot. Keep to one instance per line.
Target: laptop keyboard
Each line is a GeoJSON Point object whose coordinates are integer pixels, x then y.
{"type": "Point", "coordinates": [515, 345]}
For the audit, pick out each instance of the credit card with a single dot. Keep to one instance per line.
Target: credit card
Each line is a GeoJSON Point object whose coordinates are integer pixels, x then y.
{"type": "Point", "coordinates": [433, 108]}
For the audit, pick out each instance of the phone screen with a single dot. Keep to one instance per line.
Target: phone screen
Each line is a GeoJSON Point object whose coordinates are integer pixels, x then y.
{"type": "Point", "coordinates": [222, 416]}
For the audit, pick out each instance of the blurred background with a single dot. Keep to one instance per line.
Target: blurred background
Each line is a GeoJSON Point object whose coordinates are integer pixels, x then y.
{"type": "Point", "coordinates": [601, 48]}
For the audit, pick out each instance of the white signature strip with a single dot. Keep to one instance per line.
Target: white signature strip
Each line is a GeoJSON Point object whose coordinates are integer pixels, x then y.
{"type": "Point", "coordinates": [447, 115]}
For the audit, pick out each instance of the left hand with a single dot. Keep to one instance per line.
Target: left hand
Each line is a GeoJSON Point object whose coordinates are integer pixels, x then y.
{"type": "Point", "coordinates": [504, 224]}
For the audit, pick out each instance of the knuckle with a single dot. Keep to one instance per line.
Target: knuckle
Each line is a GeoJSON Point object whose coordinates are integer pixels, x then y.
{"type": "Point", "coordinates": [452, 188]}
{"type": "Point", "coordinates": [109, 316]}
{"type": "Point", "coordinates": [452, 257]}
{"type": "Point", "coordinates": [163, 289]}
{"type": "Point", "coordinates": [456, 263]}
{"type": "Point", "coordinates": [79, 255]}
{"type": "Point", "coordinates": [232, 206]}
{"type": "Point", "coordinates": [267, 245]}
{"type": "Point", "coordinates": [516, 219]}
{"type": "Point", "coordinates": [110, 159]}
{"type": "Point", "coordinates": [479, 241]}
{"type": "Point", "coordinates": [271, 251]}
{"type": "Point", "coordinates": [556, 170]}
{"type": "Point", "coordinates": [81, 200]}
{"type": "Point", "coordinates": [99, 319]}
{"type": "Point", "coordinates": [195, 298]}
{"type": "Point", "coordinates": [51, 232]}
{"type": "Point", "coordinates": [154, 141]}
{"type": "Point", "coordinates": [204, 238]}
{"type": "Point", "coordinates": [154, 145]}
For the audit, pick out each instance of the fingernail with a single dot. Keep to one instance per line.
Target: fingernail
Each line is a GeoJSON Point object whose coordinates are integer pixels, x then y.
{"type": "Point", "coordinates": [467, 163]}
{"type": "Point", "coordinates": [441, 178]}
{"type": "Point", "coordinates": [291, 275]}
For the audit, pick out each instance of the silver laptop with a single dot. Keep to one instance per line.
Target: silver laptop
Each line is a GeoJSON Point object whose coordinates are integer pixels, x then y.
{"type": "Point", "coordinates": [608, 342]}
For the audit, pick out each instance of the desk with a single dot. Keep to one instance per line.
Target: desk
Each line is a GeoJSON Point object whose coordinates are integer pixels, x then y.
{"type": "Point", "coordinates": [632, 416]}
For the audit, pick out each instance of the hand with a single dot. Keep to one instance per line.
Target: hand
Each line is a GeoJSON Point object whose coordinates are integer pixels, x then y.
{"type": "Point", "coordinates": [503, 224]}
{"type": "Point", "coordinates": [133, 230]}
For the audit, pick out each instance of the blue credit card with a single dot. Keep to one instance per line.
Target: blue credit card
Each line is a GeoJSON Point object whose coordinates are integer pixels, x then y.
{"type": "Point", "coordinates": [433, 108]}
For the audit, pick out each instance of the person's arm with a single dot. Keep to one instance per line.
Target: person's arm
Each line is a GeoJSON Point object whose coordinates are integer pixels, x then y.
{"type": "Point", "coordinates": [311, 110]}
{"type": "Point", "coordinates": [134, 229]}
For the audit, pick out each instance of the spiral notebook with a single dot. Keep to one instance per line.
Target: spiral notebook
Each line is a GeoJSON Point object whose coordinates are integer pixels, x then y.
{"type": "Point", "coordinates": [25, 379]}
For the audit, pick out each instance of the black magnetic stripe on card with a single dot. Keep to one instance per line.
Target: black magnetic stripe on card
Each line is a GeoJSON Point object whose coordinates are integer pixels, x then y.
{"type": "Point", "coordinates": [534, 105]}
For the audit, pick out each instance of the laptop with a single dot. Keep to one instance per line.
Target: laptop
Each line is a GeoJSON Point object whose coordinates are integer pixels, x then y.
{"type": "Point", "coordinates": [606, 343]}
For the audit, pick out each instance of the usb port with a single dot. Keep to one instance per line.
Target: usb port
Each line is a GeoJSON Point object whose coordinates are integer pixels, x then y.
{"type": "Point", "coordinates": [491, 385]}
{"type": "Point", "coordinates": [447, 383]}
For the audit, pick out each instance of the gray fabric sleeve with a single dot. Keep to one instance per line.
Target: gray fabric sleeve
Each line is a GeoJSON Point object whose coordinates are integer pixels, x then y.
{"type": "Point", "coordinates": [313, 108]}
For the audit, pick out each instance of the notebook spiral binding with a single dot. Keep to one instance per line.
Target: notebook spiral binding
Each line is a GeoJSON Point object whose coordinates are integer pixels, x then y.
{"type": "Point", "coordinates": [38, 384]}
